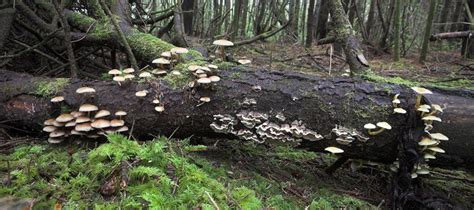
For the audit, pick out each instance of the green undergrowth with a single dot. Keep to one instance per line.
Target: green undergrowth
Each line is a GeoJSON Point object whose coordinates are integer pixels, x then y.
{"type": "Point", "coordinates": [162, 174]}
{"type": "Point", "coordinates": [447, 84]}
{"type": "Point", "coordinates": [50, 88]}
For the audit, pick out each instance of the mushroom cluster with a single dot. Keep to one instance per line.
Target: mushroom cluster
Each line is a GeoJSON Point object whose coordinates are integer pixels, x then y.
{"type": "Point", "coordinates": [372, 129]}
{"type": "Point", "coordinates": [204, 76]}
{"type": "Point", "coordinates": [88, 121]}
{"type": "Point", "coordinates": [122, 75]}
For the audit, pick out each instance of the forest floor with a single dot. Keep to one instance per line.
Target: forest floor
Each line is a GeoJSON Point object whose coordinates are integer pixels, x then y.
{"type": "Point", "coordinates": [170, 173]}
{"type": "Point", "coordinates": [444, 69]}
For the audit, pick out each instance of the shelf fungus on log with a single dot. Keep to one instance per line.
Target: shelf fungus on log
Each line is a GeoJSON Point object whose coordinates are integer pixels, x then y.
{"type": "Point", "coordinates": [288, 108]}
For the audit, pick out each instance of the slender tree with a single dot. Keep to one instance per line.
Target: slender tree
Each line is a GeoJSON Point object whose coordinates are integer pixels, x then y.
{"type": "Point", "coordinates": [310, 24]}
{"type": "Point", "coordinates": [397, 30]}
{"type": "Point", "coordinates": [426, 37]}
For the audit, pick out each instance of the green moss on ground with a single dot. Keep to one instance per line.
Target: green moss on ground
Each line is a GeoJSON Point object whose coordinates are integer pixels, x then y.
{"type": "Point", "coordinates": [163, 175]}
{"type": "Point", "coordinates": [454, 84]}
{"type": "Point", "coordinates": [50, 88]}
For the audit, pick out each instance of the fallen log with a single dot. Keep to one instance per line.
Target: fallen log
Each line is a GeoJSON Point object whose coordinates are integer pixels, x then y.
{"type": "Point", "coordinates": [259, 106]}
{"type": "Point", "coordinates": [451, 35]}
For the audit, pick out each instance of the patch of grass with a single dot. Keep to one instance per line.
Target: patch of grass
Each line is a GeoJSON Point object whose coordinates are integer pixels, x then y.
{"type": "Point", "coordinates": [50, 88]}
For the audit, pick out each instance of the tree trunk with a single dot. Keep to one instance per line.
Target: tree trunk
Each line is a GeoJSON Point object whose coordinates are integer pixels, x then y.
{"type": "Point", "coordinates": [243, 27]}
{"type": "Point", "coordinates": [258, 26]}
{"type": "Point", "coordinates": [444, 15]}
{"type": "Point", "coordinates": [252, 109]}
{"type": "Point", "coordinates": [426, 37]}
{"type": "Point", "coordinates": [346, 37]}
{"type": "Point", "coordinates": [187, 7]}
{"type": "Point", "coordinates": [397, 31]}
{"type": "Point", "coordinates": [321, 30]}
{"type": "Point", "coordinates": [370, 19]}
{"type": "Point", "coordinates": [310, 24]}
{"type": "Point", "coordinates": [236, 18]}
{"type": "Point", "coordinates": [456, 15]}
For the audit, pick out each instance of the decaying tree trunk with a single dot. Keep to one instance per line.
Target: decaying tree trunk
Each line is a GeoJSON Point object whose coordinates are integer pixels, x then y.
{"type": "Point", "coordinates": [344, 34]}
{"type": "Point", "coordinates": [259, 106]}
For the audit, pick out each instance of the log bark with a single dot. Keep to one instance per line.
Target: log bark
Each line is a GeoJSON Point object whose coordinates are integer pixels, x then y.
{"type": "Point", "coordinates": [451, 35]}
{"type": "Point", "coordinates": [265, 99]}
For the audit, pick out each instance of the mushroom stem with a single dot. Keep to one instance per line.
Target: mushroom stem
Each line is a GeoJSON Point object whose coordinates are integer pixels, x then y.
{"type": "Point", "coordinates": [373, 133]}
{"type": "Point", "coordinates": [418, 101]}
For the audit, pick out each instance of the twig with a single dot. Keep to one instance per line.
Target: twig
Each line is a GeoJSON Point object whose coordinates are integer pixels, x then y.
{"type": "Point", "coordinates": [212, 200]}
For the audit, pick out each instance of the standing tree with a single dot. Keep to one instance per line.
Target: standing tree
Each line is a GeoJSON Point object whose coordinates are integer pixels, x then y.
{"type": "Point", "coordinates": [310, 23]}
{"type": "Point", "coordinates": [397, 30]}
{"type": "Point", "coordinates": [426, 37]}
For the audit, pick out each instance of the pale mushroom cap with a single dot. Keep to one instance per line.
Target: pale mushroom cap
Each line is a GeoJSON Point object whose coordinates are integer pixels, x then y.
{"type": "Point", "coordinates": [76, 114]}
{"type": "Point", "coordinates": [128, 70]}
{"type": "Point", "coordinates": [156, 101]}
{"type": "Point", "coordinates": [49, 121]}
{"type": "Point", "coordinates": [74, 132]}
{"type": "Point", "coordinates": [334, 150]}
{"type": "Point", "coordinates": [159, 108]}
{"type": "Point", "coordinates": [179, 50]}
{"type": "Point", "coordinates": [200, 71]}
{"type": "Point", "coordinates": [119, 78]}
{"type": "Point", "coordinates": [244, 61]}
{"type": "Point", "coordinates": [400, 110]}
{"type": "Point", "coordinates": [122, 129]}
{"type": "Point", "coordinates": [202, 76]}
{"type": "Point", "coordinates": [429, 156]}
{"type": "Point", "coordinates": [83, 127]}
{"type": "Point", "coordinates": [55, 140]}
{"type": "Point", "coordinates": [421, 91]}
{"type": "Point", "coordinates": [58, 124]}
{"type": "Point", "coordinates": [115, 72]}
{"type": "Point", "coordinates": [439, 136]}
{"type": "Point", "coordinates": [49, 128]}
{"type": "Point", "coordinates": [205, 99]}
{"type": "Point", "coordinates": [177, 73]}
{"type": "Point", "coordinates": [205, 68]}
{"type": "Point", "coordinates": [141, 93]}
{"type": "Point", "coordinates": [370, 126]}
{"type": "Point", "coordinates": [193, 67]}
{"type": "Point", "coordinates": [166, 54]}
{"type": "Point", "coordinates": [116, 123]}
{"type": "Point", "coordinates": [120, 113]}
{"type": "Point", "coordinates": [422, 171]}
{"type": "Point", "coordinates": [427, 142]}
{"type": "Point", "coordinates": [159, 72]}
{"type": "Point", "coordinates": [437, 107]}
{"type": "Point", "coordinates": [82, 119]}
{"type": "Point", "coordinates": [396, 101]}
{"type": "Point", "coordinates": [215, 78]}
{"type": "Point", "coordinates": [161, 61]}
{"type": "Point", "coordinates": [129, 76]}
{"type": "Point", "coordinates": [66, 117]}
{"type": "Point", "coordinates": [204, 80]}
{"type": "Point", "coordinates": [384, 125]}
{"type": "Point", "coordinates": [144, 74]}
{"type": "Point", "coordinates": [70, 124]}
{"type": "Point", "coordinates": [57, 99]}
{"type": "Point", "coordinates": [88, 108]}
{"type": "Point", "coordinates": [85, 90]}
{"type": "Point", "coordinates": [436, 149]}
{"type": "Point", "coordinates": [423, 109]}
{"type": "Point", "coordinates": [431, 118]}
{"type": "Point", "coordinates": [100, 123]}
{"type": "Point", "coordinates": [57, 133]}
{"type": "Point", "coordinates": [212, 66]}
{"type": "Point", "coordinates": [223, 42]}
{"type": "Point", "coordinates": [425, 106]}
{"type": "Point", "coordinates": [102, 113]}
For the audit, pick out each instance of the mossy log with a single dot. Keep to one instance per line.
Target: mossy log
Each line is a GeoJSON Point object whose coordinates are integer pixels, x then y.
{"type": "Point", "coordinates": [257, 105]}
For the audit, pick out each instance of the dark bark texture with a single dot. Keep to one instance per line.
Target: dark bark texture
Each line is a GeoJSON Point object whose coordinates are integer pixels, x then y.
{"type": "Point", "coordinates": [264, 101]}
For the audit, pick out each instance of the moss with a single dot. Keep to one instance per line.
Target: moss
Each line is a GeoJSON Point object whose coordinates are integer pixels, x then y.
{"type": "Point", "coordinates": [224, 65]}
{"type": "Point", "coordinates": [50, 88]}
{"type": "Point", "coordinates": [455, 84]}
